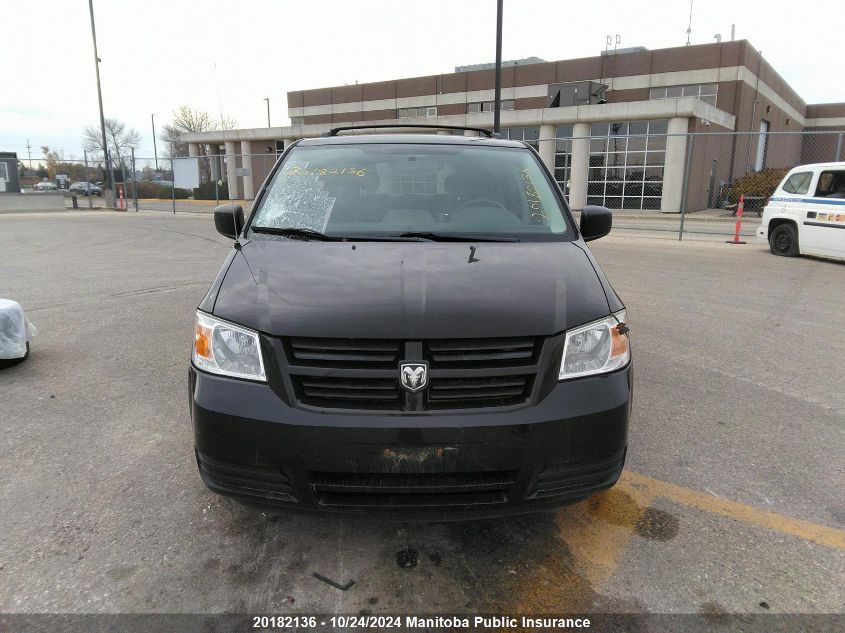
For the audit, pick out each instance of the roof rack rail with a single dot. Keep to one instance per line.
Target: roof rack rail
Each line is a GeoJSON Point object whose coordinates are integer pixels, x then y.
{"type": "Point", "coordinates": [485, 131]}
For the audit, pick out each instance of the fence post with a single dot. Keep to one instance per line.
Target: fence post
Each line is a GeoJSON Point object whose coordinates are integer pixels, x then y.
{"type": "Point", "coordinates": [110, 175]}
{"type": "Point", "coordinates": [87, 179]}
{"type": "Point", "coordinates": [134, 181]}
{"type": "Point", "coordinates": [839, 146]}
{"type": "Point", "coordinates": [685, 186]}
{"type": "Point", "coordinates": [173, 177]}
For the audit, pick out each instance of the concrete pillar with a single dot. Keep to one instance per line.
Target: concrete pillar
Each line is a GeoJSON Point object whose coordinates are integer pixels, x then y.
{"type": "Point", "coordinates": [673, 172]}
{"type": "Point", "coordinates": [214, 160]}
{"type": "Point", "coordinates": [547, 146]}
{"type": "Point", "coordinates": [193, 149]}
{"type": "Point", "coordinates": [579, 166]}
{"type": "Point", "coordinates": [231, 171]}
{"type": "Point", "coordinates": [246, 161]}
{"type": "Point", "coordinates": [289, 142]}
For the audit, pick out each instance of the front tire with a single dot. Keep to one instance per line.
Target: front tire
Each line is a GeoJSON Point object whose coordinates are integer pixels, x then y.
{"type": "Point", "coordinates": [783, 240]}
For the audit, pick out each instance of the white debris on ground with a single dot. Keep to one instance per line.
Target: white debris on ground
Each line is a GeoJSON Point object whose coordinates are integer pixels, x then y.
{"type": "Point", "coordinates": [15, 330]}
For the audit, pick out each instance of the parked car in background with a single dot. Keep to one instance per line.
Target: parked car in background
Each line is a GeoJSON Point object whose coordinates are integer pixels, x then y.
{"type": "Point", "coordinates": [806, 213]}
{"type": "Point", "coordinates": [86, 188]}
{"type": "Point", "coordinates": [45, 186]}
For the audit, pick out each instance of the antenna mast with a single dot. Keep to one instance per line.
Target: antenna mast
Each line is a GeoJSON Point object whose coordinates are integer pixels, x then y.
{"type": "Point", "coordinates": [689, 27]}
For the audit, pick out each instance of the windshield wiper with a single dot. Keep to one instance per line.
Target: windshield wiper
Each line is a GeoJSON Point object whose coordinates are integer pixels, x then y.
{"type": "Point", "coordinates": [311, 234]}
{"type": "Point", "coordinates": [295, 232]}
{"type": "Point", "coordinates": [441, 237]}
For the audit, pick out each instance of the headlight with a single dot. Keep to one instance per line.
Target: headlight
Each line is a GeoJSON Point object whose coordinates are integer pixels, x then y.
{"type": "Point", "coordinates": [224, 348]}
{"type": "Point", "coordinates": [595, 348]}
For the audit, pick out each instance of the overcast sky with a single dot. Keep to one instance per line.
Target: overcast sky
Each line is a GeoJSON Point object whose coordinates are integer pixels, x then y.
{"type": "Point", "coordinates": [228, 55]}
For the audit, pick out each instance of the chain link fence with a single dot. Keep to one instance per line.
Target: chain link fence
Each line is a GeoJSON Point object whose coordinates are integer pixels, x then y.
{"type": "Point", "coordinates": [653, 180]}
{"type": "Point", "coordinates": [684, 183]}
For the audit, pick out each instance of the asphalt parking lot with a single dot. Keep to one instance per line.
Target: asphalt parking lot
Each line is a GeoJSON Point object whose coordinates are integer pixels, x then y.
{"type": "Point", "coordinates": [731, 502]}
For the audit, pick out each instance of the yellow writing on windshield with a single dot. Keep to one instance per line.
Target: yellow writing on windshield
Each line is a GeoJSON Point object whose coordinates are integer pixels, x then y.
{"type": "Point", "coordinates": [532, 196]}
{"type": "Point", "coordinates": [326, 171]}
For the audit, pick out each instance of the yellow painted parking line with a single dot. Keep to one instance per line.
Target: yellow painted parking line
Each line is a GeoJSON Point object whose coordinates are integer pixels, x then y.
{"type": "Point", "coordinates": [598, 530]}
{"type": "Point", "coordinates": [821, 534]}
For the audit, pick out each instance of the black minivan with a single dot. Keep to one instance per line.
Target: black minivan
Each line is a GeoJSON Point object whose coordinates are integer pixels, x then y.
{"type": "Point", "coordinates": [411, 324]}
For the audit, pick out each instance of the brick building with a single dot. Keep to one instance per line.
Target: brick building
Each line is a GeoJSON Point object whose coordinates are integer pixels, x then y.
{"type": "Point", "coordinates": [634, 129]}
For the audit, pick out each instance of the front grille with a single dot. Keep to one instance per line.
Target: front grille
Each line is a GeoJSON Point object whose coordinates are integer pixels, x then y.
{"type": "Point", "coordinates": [351, 393]}
{"type": "Point", "coordinates": [378, 490]}
{"type": "Point", "coordinates": [259, 483]}
{"type": "Point", "coordinates": [482, 391]}
{"type": "Point", "coordinates": [345, 352]}
{"type": "Point", "coordinates": [480, 352]}
{"type": "Point", "coordinates": [576, 479]}
{"type": "Point", "coordinates": [363, 374]}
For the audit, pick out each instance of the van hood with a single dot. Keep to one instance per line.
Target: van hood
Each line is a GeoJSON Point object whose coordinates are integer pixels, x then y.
{"type": "Point", "coordinates": [410, 290]}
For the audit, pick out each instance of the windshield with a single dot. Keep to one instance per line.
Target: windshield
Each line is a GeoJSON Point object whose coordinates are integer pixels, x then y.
{"type": "Point", "coordinates": [383, 189]}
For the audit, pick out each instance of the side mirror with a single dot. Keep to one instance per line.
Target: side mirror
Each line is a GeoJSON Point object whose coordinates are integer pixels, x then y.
{"type": "Point", "coordinates": [595, 222]}
{"type": "Point", "coordinates": [229, 220]}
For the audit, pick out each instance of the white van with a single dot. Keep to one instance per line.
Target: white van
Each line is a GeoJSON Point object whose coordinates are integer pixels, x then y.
{"type": "Point", "coordinates": [806, 213]}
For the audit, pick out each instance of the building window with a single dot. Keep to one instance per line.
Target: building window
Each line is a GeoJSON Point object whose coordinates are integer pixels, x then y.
{"type": "Point", "coordinates": [626, 164]}
{"type": "Point", "coordinates": [762, 144]}
{"type": "Point", "coordinates": [404, 113]}
{"type": "Point", "coordinates": [705, 92]}
{"type": "Point", "coordinates": [528, 134]}
{"type": "Point", "coordinates": [487, 106]}
{"type": "Point", "coordinates": [297, 120]}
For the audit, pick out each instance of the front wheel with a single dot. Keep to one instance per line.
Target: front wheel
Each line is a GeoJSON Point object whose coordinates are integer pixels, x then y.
{"type": "Point", "coordinates": [783, 240]}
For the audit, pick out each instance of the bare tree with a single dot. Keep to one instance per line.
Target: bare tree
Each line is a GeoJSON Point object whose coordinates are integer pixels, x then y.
{"type": "Point", "coordinates": [119, 137]}
{"type": "Point", "coordinates": [52, 157]}
{"type": "Point", "coordinates": [186, 120]}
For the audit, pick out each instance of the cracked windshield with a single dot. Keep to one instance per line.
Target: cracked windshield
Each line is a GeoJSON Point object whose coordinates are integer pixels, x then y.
{"type": "Point", "coordinates": [391, 189]}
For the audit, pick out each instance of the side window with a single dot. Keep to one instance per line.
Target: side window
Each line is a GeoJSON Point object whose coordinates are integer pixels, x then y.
{"type": "Point", "coordinates": [831, 185]}
{"type": "Point", "coordinates": [798, 183]}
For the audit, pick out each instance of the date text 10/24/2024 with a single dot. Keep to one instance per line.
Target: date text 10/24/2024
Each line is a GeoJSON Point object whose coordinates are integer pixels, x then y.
{"type": "Point", "coordinates": [418, 622]}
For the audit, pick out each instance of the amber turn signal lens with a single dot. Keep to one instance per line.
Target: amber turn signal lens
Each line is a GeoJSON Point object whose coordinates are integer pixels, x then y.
{"type": "Point", "coordinates": [619, 342]}
{"type": "Point", "coordinates": [202, 342]}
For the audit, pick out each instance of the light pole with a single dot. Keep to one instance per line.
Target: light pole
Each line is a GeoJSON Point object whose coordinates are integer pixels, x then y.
{"type": "Point", "coordinates": [155, 151]}
{"type": "Point", "coordinates": [497, 99]}
{"type": "Point", "coordinates": [267, 99]}
{"type": "Point", "coordinates": [100, 93]}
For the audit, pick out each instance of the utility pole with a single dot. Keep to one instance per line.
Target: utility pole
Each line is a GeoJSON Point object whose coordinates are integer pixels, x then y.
{"type": "Point", "coordinates": [100, 96]}
{"type": "Point", "coordinates": [28, 153]}
{"type": "Point", "coordinates": [497, 99]}
{"type": "Point", "coordinates": [267, 99]}
{"type": "Point", "coordinates": [155, 151]}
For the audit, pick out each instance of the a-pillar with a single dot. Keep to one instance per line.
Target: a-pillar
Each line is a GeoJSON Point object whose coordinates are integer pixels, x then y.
{"type": "Point", "coordinates": [547, 146]}
{"type": "Point", "coordinates": [231, 171]}
{"type": "Point", "coordinates": [289, 142]}
{"type": "Point", "coordinates": [673, 172]}
{"type": "Point", "coordinates": [246, 161]}
{"type": "Point", "coordinates": [579, 166]}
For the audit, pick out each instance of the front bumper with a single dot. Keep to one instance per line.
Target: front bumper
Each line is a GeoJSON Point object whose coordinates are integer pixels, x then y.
{"type": "Point", "coordinates": [441, 465]}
